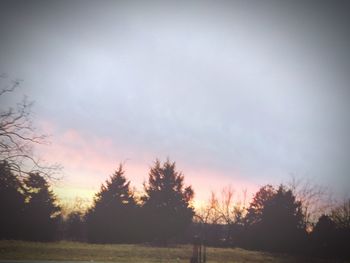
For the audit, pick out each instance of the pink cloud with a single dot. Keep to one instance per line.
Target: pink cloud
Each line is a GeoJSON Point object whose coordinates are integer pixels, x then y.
{"type": "Point", "coordinates": [89, 160]}
{"type": "Point", "coordinates": [205, 181]}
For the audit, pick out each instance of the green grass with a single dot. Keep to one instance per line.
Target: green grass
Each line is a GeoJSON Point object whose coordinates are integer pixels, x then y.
{"type": "Point", "coordinates": [72, 251]}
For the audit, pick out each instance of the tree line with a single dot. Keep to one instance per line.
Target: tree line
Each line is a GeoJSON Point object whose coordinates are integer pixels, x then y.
{"type": "Point", "coordinates": [163, 212]}
{"type": "Point", "coordinates": [30, 209]}
{"type": "Point", "coordinates": [275, 219]}
{"type": "Point", "coordinates": [278, 218]}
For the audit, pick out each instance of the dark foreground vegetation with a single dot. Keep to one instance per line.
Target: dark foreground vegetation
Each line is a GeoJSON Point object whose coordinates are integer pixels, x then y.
{"type": "Point", "coordinates": [274, 221]}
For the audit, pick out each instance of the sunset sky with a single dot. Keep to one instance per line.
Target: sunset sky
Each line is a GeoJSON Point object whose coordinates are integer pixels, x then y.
{"type": "Point", "coordinates": [239, 93]}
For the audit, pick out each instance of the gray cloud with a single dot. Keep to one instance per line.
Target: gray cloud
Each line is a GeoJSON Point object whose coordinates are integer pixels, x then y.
{"type": "Point", "coordinates": [258, 87]}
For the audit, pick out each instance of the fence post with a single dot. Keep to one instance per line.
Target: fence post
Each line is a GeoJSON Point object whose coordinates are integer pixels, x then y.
{"type": "Point", "coordinates": [199, 251]}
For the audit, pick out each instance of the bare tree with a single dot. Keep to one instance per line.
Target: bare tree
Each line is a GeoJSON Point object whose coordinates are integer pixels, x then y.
{"type": "Point", "coordinates": [228, 209]}
{"type": "Point", "coordinates": [341, 215]}
{"type": "Point", "coordinates": [18, 137]}
{"type": "Point", "coordinates": [315, 199]}
{"type": "Point", "coordinates": [208, 213]}
{"type": "Point", "coordinates": [78, 205]}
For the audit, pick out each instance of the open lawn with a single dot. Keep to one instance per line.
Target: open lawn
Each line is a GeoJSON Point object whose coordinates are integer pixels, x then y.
{"type": "Point", "coordinates": [74, 251]}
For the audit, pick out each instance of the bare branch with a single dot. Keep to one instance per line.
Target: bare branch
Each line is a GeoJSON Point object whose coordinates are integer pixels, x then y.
{"type": "Point", "coordinates": [315, 199]}
{"type": "Point", "coordinates": [18, 137]}
{"type": "Point", "coordinates": [10, 88]}
{"type": "Point", "coordinates": [225, 210]}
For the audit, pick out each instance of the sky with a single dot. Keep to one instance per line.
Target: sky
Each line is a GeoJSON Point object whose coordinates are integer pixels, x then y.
{"type": "Point", "coordinates": [239, 93]}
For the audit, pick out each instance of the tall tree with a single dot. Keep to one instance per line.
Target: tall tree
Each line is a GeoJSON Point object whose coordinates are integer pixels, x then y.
{"type": "Point", "coordinates": [41, 210]}
{"type": "Point", "coordinates": [278, 221]}
{"type": "Point", "coordinates": [112, 217]}
{"type": "Point", "coordinates": [11, 204]}
{"type": "Point", "coordinates": [166, 205]}
{"type": "Point", "coordinates": [254, 213]}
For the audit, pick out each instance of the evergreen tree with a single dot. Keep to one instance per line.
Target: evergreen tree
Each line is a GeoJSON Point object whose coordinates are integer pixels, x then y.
{"type": "Point", "coordinates": [278, 223]}
{"type": "Point", "coordinates": [11, 204]}
{"type": "Point", "coordinates": [324, 237]}
{"type": "Point", "coordinates": [256, 207]}
{"type": "Point", "coordinates": [166, 206]}
{"type": "Point", "coordinates": [41, 210]}
{"type": "Point", "coordinates": [112, 217]}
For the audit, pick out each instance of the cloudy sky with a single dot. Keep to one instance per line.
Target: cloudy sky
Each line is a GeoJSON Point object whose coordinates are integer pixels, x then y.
{"type": "Point", "coordinates": [236, 92]}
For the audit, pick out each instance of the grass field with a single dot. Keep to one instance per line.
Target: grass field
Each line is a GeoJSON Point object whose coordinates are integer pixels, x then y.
{"type": "Point", "coordinates": [71, 251]}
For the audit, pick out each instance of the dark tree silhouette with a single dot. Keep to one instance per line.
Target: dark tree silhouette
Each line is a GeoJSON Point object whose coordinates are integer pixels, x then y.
{"type": "Point", "coordinates": [323, 237]}
{"type": "Point", "coordinates": [341, 217]}
{"type": "Point", "coordinates": [41, 210]}
{"type": "Point", "coordinates": [255, 210]}
{"type": "Point", "coordinates": [276, 220]}
{"type": "Point", "coordinates": [166, 205]}
{"type": "Point", "coordinates": [113, 215]}
{"type": "Point", "coordinates": [74, 226]}
{"type": "Point", "coordinates": [11, 204]}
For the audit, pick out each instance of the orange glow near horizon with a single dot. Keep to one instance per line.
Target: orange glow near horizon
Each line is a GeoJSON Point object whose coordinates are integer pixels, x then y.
{"type": "Point", "coordinates": [88, 163]}
{"type": "Point", "coordinates": [70, 194]}
{"type": "Point", "coordinates": [203, 186]}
